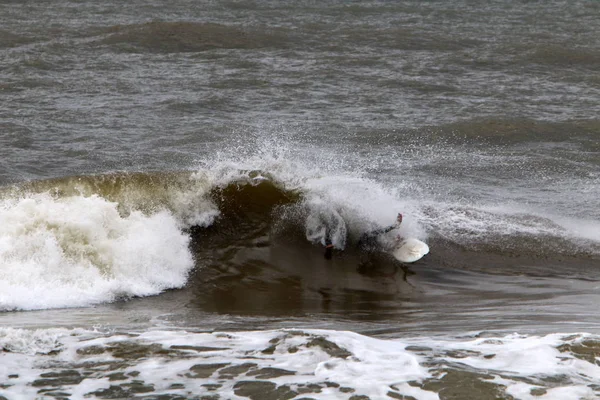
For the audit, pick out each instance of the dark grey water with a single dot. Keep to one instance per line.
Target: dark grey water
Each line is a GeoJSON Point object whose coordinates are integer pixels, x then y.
{"type": "Point", "coordinates": [150, 85]}
{"type": "Point", "coordinates": [160, 162]}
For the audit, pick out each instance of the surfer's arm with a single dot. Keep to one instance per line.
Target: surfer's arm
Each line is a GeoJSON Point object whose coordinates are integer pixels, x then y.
{"type": "Point", "coordinates": [391, 227]}
{"type": "Point", "coordinates": [395, 225]}
{"type": "Point", "coordinates": [388, 229]}
{"type": "Point", "coordinates": [370, 238]}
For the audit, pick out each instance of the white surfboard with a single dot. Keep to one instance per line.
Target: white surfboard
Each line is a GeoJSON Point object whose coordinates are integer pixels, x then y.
{"type": "Point", "coordinates": [410, 250]}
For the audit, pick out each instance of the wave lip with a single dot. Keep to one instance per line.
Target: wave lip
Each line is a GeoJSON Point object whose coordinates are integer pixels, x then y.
{"type": "Point", "coordinates": [79, 251]}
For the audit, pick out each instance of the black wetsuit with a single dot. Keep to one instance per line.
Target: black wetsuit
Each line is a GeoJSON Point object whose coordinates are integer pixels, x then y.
{"type": "Point", "coordinates": [328, 248]}
{"type": "Point", "coordinates": [368, 240]}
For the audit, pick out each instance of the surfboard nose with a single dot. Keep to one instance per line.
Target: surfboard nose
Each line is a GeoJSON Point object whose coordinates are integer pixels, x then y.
{"type": "Point", "coordinates": [410, 250]}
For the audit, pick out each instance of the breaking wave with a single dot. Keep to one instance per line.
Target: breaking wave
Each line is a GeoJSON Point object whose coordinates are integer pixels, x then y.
{"type": "Point", "coordinates": [79, 241]}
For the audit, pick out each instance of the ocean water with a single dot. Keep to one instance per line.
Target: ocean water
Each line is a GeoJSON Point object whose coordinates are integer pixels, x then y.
{"type": "Point", "coordinates": [166, 168]}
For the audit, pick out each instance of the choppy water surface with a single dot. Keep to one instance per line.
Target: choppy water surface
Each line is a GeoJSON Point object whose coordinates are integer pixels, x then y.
{"type": "Point", "coordinates": [163, 168]}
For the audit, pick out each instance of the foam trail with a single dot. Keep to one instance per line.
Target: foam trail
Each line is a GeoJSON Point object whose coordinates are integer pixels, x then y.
{"type": "Point", "coordinates": [78, 251]}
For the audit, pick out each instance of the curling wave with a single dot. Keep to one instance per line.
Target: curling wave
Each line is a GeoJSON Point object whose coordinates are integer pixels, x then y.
{"type": "Point", "coordinates": [78, 241]}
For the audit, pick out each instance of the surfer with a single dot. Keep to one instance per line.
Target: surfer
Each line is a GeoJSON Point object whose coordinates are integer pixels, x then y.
{"type": "Point", "coordinates": [405, 250]}
{"type": "Point", "coordinates": [326, 226]}
{"type": "Point", "coordinates": [370, 240]}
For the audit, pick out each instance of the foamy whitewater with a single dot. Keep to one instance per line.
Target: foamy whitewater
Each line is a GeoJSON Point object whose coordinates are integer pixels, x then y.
{"type": "Point", "coordinates": [79, 251]}
{"type": "Point", "coordinates": [292, 364]}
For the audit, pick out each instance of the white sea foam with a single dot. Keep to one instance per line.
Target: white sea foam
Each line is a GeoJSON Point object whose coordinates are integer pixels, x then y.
{"type": "Point", "coordinates": [78, 251]}
{"type": "Point", "coordinates": [326, 364]}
